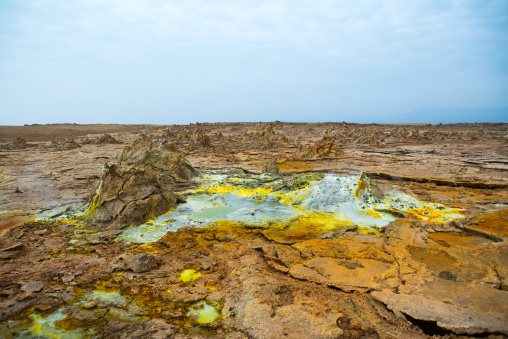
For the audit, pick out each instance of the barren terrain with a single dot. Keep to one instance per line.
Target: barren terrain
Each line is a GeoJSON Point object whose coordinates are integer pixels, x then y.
{"type": "Point", "coordinates": [135, 233]}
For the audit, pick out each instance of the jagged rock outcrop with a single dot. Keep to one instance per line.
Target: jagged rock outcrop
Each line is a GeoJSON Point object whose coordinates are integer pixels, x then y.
{"type": "Point", "coordinates": [139, 186]}
{"type": "Point", "coordinates": [18, 143]}
{"type": "Point", "coordinates": [65, 145]}
{"type": "Point", "coordinates": [129, 195]}
{"type": "Point", "coordinates": [159, 155]}
{"type": "Point", "coordinates": [102, 140]}
{"type": "Point", "coordinates": [324, 149]}
{"type": "Point", "coordinates": [271, 167]}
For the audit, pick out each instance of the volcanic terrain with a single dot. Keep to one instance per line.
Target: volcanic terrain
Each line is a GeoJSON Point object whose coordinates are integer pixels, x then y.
{"type": "Point", "coordinates": [254, 230]}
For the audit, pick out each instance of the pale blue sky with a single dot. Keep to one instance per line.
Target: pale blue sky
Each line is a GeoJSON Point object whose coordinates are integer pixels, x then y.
{"type": "Point", "coordinates": [165, 62]}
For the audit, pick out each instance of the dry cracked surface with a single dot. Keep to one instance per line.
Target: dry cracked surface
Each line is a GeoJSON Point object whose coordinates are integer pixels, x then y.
{"type": "Point", "coordinates": [413, 278]}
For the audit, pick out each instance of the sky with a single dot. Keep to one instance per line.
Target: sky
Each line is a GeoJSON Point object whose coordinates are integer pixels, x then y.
{"type": "Point", "coordinates": [182, 61]}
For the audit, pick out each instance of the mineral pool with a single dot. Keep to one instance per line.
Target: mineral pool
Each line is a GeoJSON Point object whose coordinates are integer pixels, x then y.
{"type": "Point", "coordinates": [329, 202]}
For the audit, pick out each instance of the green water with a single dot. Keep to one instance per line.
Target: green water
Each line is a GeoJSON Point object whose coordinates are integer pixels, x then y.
{"type": "Point", "coordinates": [201, 210]}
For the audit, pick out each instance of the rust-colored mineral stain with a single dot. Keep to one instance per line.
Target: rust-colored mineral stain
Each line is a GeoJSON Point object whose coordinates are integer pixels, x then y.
{"type": "Point", "coordinates": [361, 187]}
{"type": "Point", "coordinates": [495, 223]}
{"type": "Point", "coordinates": [458, 239]}
{"type": "Point", "coordinates": [11, 219]}
{"type": "Point", "coordinates": [435, 261]}
{"type": "Point", "coordinates": [290, 165]}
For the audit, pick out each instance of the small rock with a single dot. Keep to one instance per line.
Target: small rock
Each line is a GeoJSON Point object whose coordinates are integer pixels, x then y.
{"type": "Point", "coordinates": [12, 248]}
{"type": "Point", "coordinates": [68, 296]}
{"type": "Point", "coordinates": [25, 296]}
{"type": "Point", "coordinates": [41, 232]}
{"type": "Point", "coordinates": [68, 278]}
{"type": "Point", "coordinates": [18, 190]}
{"type": "Point", "coordinates": [207, 263]}
{"type": "Point", "coordinates": [143, 262]}
{"type": "Point", "coordinates": [116, 325]}
{"type": "Point", "coordinates": [89, 304]}
{"type": "Point", "coordinates": [162, 329]}
{"type": "Point", "coordinates": [32, 286]}
{"type": "Point", "coordinates": [47, 304]}
{"type": "Point", "coordinates": [327, 235]}
{"type": "Point", "coordinates": [128, 276]}
{"type": "Point", "coordinates": [81, 315]}
{"type": "Point", "coordinates": [10, 255]}
{"type": "Point", "coordinates": [94, 239]}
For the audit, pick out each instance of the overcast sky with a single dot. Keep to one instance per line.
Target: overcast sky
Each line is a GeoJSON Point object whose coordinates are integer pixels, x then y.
{"type": "Point", "coordinates": [165, 62]}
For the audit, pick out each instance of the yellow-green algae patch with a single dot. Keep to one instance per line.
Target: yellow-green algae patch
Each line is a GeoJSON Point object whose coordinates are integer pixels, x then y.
{"type": "Point", "coordinates": [189, 275]}
{"type": "Point", "coordinates": [203, 313]}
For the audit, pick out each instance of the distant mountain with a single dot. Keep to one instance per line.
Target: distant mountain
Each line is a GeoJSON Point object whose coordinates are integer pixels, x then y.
{"type": "Point", "coordinates": [450, 115]}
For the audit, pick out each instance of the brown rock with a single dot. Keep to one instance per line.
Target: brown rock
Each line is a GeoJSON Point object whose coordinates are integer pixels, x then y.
{"type": "Point", "coordinates": [131, 195]}
{"type": "Point", "coordinates": [159, 155]}
{"type": "Point", "coordinates": [11, 252]}
{"type": "Point", "coordinates": [25, 296]}
{"type": "Point", "coordinates": [32, 286]}
{"type": "Point", "coordinates": [143, 263]}
{"type": "Point", "coordinates": [47, 304]}
{"type": "Point", "coordinates": [324, 149]}
{"type": "Point", "coordinates": [271, 167]}
{"type": "Point", "coordinates": [67, 278]}
{"type": "Point", "coordinates": [19, 143]}
{"type": "Point", "coordinates": [66, 145]}
{"type": "Point", "coordinates": [139, 187]}
{"type": "Point", "coordinates": [462, 320]}
{"type": "Point", "coordinates": [106, 139]}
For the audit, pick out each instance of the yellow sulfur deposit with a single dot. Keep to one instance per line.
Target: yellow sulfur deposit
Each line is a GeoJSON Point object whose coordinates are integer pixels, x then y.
{"type": "Point", "coordinates": [203, 313]}
{"type": "Point", "coordinates": [189, 275]}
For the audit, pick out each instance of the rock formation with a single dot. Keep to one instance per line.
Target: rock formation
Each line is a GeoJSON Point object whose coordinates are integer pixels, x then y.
{"type": "Point", "coordinates": [19, 143]}
{"type": "Point", "coordinates": [159, 155]}
{"type": "Point", "coordinates": [271, 167]}
{"type": "Point", "coordinates": [102, 140]}
{"type": "Point", "coordinates": [325, 148]}
{"type": "Point", "coordinates": [139, 186]}
{"type": "Point", "coordinates": [65, 145]}
{"type": "Point", "coordinates": [16, 144]}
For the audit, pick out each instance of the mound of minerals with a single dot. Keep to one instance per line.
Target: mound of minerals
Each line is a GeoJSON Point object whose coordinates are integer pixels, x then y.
{"type": "Point", "coordinates": [333, 194]}
{"type": "Point", "coordinates": [159, 155]}
{"type": "Point", "coordinates": [139, 187]}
